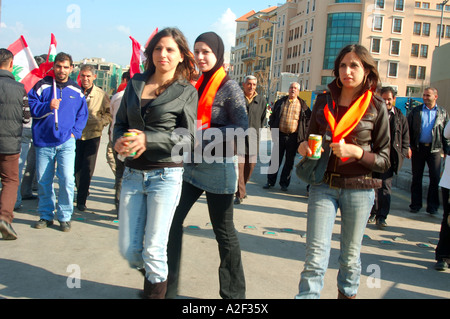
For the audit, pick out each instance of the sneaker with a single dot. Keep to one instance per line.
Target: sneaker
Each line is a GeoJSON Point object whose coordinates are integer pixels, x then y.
{"type": "Point", "coordinates": [64, 226]}
{"type": "Point", "coordinates": [7, 231]}
{"type": "Point", "coordinates": [81, 207]}
{"type": "Point", "coordinates": [43, 223]}
{"type": "Point", "coordinates": [381, 223]}
{"type": "Point", "coordinates": [371, 219]}
{"type": "Point", "coordinates": [267, 186]}
{"type": "Point", "coordinates": [238, 200]}
{"type": "Point", "coordinates": [440, 265]}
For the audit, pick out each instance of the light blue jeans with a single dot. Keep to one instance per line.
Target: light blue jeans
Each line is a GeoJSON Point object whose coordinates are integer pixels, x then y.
{"type": "Point", "coordinates": [62, 159]}
{"type": "Point", "coordinates": [355, 206]}
{"type": "Point", "coordinates": [148, 200]}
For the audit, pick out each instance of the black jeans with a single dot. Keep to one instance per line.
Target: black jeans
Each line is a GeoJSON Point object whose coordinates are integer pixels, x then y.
{"type": "Point", "coordinates": [433, 161]}
{"type": "Point", "coordinates": [287, 145]}
{"type": "Point", "coordinates": [220, 207]}
{"type": "Point", "coordinates": [85, 158]}
{"type": "Point", "coordinates": [382, 204]}
{"type": "Point", "coordinates": [443, 246]}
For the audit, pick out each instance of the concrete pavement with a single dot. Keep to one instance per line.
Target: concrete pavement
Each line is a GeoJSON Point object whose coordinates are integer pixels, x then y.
{"type": "Point", "coordinates": [397, 262]}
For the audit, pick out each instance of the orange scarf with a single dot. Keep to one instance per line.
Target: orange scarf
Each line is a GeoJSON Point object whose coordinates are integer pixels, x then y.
{"type": "Point", "coordinates": [350, 119]}
{"type": "Point", "coordinates": [205, 101]}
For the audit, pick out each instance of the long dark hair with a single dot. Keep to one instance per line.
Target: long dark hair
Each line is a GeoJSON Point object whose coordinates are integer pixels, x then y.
{"type": "Point", "coordinates": [368, 62]}
{"type": "Point", "coordinates": [185, 70]}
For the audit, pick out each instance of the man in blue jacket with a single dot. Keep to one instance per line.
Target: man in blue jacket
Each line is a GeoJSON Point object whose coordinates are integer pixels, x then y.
{"type": "Point", "coordinates": [60, 113]}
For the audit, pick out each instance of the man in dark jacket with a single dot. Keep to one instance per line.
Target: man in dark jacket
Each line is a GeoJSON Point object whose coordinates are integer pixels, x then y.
{"type": "Point", "coordinates": [291, 117]}
{"type": "Point", "coordinates": [399, 150]}
{"type": "Point", "coordinates": [426, 130]}
{"type": "Point", "coordinates": [256, 110]}
{"type": "Point", "coordinates": [12, 117]}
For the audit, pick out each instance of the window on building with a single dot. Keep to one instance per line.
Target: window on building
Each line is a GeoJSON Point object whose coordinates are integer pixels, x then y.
{"type": "Point", "coordinates": [426, 29]}
{"type": "Point", "coordinates": [343, 28]}
{"type": "Point", "coordinates": [377, 23]}
{"type": "Point", "coordinates": [415, 50]}
{"type": "Point", "coordinates": [393, 69]}
{"type": "Point", "coordinates": [379, 4]}
{"type": "Point", "coordinates": [395, 47]}
{"type": "Point", "coordinates": [417, 28]}
{"type": "Point", "coordinates": [424, 51]}
{"type": "Point", "coordinates": [375, 46]}
{"type": "Point", "coordinates": [399, 5]}
{"type": "Point", "coordinates": [412, 71]}
{"type": "Point", "coordinates": [421, 71]}
{"type": "Point", "coordinates": [417, 4]}
{"type": "Point", "coordinates": [447, 31]}
{"type": "Point", "coordinates": [397, 25]}
{"type": "Point", "coordinates": [425, 5]}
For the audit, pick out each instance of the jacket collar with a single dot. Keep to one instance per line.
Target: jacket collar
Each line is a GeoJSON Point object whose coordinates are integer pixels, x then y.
{"type": "Point", "coordinates": [6, 74]}
{"type": "Point", "coordinates": [171, 93]}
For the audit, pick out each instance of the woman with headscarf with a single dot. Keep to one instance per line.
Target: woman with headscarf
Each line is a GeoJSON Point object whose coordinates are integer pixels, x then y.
{"type": "Point", "coordinates": [221, 107]}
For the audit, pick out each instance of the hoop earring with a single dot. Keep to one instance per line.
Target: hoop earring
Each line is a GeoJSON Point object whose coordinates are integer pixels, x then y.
{"type": "Point", "coordinates": [337, 83]}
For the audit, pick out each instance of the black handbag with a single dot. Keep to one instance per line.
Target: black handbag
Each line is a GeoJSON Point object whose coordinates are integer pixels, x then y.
{"type": "Point", "coordinates": [312, 171]}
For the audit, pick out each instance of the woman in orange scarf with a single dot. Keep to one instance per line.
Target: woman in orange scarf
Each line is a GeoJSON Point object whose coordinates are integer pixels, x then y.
{"type": "Point", "coordinates": [221, 106]}
{"type": "Point", "coordinates": [355, 123]}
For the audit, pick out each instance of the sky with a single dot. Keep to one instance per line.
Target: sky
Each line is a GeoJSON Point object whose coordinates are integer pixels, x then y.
{"type": "Point", "coordinates": [101, 28]}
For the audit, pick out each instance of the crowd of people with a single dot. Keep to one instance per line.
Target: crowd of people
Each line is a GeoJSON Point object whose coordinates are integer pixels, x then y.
{"type": "Point", "coordinates": [183, 94]}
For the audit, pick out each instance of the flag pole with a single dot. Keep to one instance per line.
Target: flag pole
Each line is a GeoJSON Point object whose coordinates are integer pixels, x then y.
{"type": "Point", "coordinates": [56, 111]}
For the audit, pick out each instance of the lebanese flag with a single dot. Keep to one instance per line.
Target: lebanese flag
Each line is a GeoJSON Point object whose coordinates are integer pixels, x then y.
{"type": "Point", "coordinates": [25, 69]}
{"type": "Point", "coordinates": [52, 50]}
{"type": "Point", "coordinates": [137, 58]}
{"type": "Point", "coordinates": [46, 68]}
{"type": "Point", "coordinates": [137, 63]}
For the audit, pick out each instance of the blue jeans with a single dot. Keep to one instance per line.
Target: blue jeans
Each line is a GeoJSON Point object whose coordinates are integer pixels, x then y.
{"type": "Point", "coordinates": [355, 206]}
{"type": "Point", "coordinates": [62, 159]}
{"type": "Point", "coordinates": [148, 200]}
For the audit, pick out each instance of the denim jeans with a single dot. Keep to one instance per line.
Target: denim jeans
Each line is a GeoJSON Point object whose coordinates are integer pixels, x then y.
{"type": "Point", "coordinates": [148, 200]}
{"type": "Point", "coordinates": [323, 203]}
{"type": "Point", "coordinates": [62, 159]}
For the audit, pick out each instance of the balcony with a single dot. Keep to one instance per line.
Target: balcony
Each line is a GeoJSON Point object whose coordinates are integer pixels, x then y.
{"type": "Point", "coordinates": [268, 36]}
{"type": "Point", "coordinates": [248, 57]}
{"type": "Point", "coordinates": [259, 68]}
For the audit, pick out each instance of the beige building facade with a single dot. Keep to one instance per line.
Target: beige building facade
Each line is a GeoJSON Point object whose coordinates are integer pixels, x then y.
{"type": "Point", "coordinates": [308, 34]}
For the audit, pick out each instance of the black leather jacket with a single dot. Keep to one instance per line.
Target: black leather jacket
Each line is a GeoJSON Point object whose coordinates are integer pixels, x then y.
{"type": "Point", "coordinates": [371, 134]}
{"type": "Point", "coordinates": [415, 124]}
{"type": "Point", "coordinates": [175, 108]}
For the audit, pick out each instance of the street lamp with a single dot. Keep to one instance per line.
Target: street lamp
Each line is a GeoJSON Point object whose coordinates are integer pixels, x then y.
{"type": "Point", "coordinates": [441, 30]}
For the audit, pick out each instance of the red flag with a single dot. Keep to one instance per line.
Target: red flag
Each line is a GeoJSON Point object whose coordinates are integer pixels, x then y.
{"type": "Point", "coordinates": [46, 68]}
{"type": "Point", "coordinates": [25, 69]}
{"type": "Point", "coordinates": [138, 57]}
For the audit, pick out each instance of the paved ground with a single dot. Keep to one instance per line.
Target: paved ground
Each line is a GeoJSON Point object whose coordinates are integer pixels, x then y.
{"type": "Point", "coordinates": [397, 263]}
